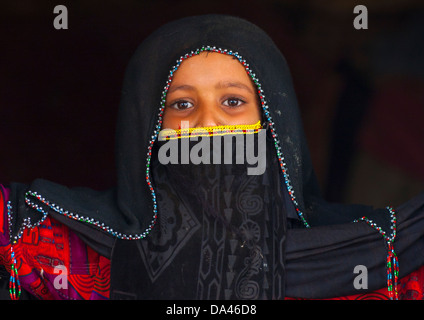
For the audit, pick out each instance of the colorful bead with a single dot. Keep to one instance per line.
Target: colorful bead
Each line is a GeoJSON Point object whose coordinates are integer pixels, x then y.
{"type": "Point", "coordinates": [392, 263]}
{"type": "Point", "coordinates": [14, 283]}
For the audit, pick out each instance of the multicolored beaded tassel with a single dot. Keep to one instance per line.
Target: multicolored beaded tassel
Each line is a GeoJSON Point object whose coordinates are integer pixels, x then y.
{"type": "Point", "coordinates": [14, 284]}
{"type": "Point", "coordinates": [392, 263]}
{"type": "Point", "coordinates": [392, 273]}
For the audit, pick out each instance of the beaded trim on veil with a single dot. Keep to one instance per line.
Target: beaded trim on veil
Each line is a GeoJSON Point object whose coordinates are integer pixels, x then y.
{"type": "Point", "coordinates": [170, 134]}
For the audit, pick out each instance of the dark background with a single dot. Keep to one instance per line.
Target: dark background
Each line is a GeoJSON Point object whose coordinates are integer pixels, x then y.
{"type": "Point", "coordinates": [361, 92]}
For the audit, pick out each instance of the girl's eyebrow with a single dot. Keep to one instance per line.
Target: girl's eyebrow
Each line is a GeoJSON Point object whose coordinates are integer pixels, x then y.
{"type": "Point", "coordinates": [181, 87]}
{"type": "Point", "coordinates": [233, 84]}
{"type": "Point", "coordinates": [219, 85]}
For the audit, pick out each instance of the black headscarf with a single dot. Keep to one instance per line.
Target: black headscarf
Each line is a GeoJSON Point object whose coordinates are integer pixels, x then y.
{"type": "Point", "coordinates": [315, 253]}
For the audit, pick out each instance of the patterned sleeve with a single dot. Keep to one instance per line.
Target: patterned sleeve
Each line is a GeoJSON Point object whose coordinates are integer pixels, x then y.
{"type": "Point", "coordinates": [52, 262]}
{"type": "Point", "coordinates": [4, 231]}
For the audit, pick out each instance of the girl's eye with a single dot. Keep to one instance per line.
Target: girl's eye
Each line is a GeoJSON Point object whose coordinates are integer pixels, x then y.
{"type": "Point", "coordinates": [181, 105]}
{"type": "Point", "coordinates": [233, 102]}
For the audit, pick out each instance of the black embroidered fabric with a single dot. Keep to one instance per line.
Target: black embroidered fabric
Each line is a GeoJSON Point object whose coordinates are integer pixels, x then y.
{"type": "Point", "coordinates": [220, 234]}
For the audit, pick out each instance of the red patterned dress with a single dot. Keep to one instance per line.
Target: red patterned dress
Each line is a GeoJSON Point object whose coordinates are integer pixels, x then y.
{"type": "Point", "coordinates": [52, 262]}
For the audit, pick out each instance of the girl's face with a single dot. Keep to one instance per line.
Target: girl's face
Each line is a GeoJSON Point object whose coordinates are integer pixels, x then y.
{"type": "Point", "coordinates": [211, 89]}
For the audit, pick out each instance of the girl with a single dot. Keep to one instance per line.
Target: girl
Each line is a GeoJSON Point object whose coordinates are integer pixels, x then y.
{"type": "Point", "coordinates": [207, 229]}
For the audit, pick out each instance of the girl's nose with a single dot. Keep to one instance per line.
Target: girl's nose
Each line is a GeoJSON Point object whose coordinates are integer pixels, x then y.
{"type": "Point", "coordinates": [209, 116]}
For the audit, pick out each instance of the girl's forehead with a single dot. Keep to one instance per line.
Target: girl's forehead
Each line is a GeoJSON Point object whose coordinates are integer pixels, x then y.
{"type": "Point", "coordinates": [223, 54]}
{"type": "Point", "coordinates": [208, 64]}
